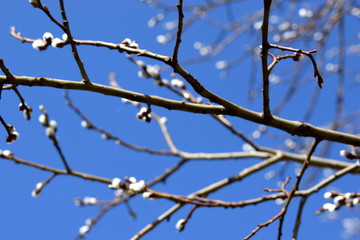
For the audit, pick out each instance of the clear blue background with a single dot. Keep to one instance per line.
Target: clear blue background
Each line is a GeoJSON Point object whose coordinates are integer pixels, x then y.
{"type": "Point", "coordinates": [54, 216]}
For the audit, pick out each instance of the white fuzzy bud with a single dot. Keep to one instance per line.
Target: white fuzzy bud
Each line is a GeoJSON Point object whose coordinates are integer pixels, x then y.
{"type": "Point", "coordinates": [122, 193]}
{"type": "Point", "coordinates": [342, 153]}
{"type": "Point", "coordinates": [85, 124]}
{"type": "Point", "coordinates": [84, 229]}
{"type": "Point", "coordinates": [132, 179]}
{"type": "Point", "coordinates": [53, 124]}
{"type": "Point", "coordinates": [177, 83]}
{"type": "Point", "coordinates": [89, 200]}
{"type": "Point", "coordinates": [153, 70]}
{"type": "Point", "coordinates": [180, 225]}
{"type": "Point", "coordinates": [115, 184]}
{"type": "Point", "coordinates": [338, 199]}
{"type": "Point", "coordinates": [348, 195]}
{"type": "Point", "coordinates": [126, 41]}
{"type": "Point", "coordinates": [57, 43]}
{"type": "Point", "coordinates": [329, 207]}
{"type": "Point", "coordinates": [138, 186]}
{"type": "Point", "coordinates": [42, 119]}
{"type": "Point", "coordinates": [134, 44]}
{"type": "Point", "coordinates": [35, 193]}
{"type": "Point", "coordinates": [37, 190]}
{"type": "Point", "coordinates": [143, 110]}
{"type": "Point", "coordinates": [39, 44]}
{"type": "Point", "coordinates": [64, 37]}
{"type": "Point", "coordinates": [146, 195]}
{"type": "Point", "coordinates": [39, 185]}
{"type": "Point", "coordinates": [7, 153]}
{"type": "Point", "coordinates": [327, 195]}
{"type": "Point", "coordinates": [186, 95]}
{"type": "Point", "coordinates": [50, 132]}
{"type": "Point", "coordinates": [221, 64]}
{"type": "Point", "coordinates": [35, 3]}
{"type": "Point", "coordinates": [48, 36]}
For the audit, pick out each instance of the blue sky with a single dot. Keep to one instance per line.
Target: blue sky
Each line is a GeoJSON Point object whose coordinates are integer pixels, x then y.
{"type": "Point", "coordinates": [54, 215]}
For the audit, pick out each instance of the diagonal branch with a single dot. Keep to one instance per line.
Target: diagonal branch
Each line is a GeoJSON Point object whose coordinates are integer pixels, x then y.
{"type": "Point", "coordinates": [207, 190]}
{"type": "Point", "coordinates": [57, 171]}
{"type": "Point", "coordinates": [51, 128]}
{"type": "Point", "coordinates": [289, 195]}
{"type": "Point", "coordinates": [11, 79]}
{"type": "Point", "coordinates": [80, 64]}
{"type": "Point", "coordinates": [296, 185]}
{"type": "Point", "coordinates": [107, 135]}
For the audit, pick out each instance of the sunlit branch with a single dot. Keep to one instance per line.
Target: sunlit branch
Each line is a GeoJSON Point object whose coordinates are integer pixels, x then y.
{"type": "Point", "coordinates": [293, 127]}
{"type": "Point", "coordinates": [330, 179]}
{"type": "Point", "coordinates": [195, 199]}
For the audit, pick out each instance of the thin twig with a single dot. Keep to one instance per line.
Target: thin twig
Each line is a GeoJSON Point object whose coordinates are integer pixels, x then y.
{"type": "Point", "coordinates": [290, 195]}
{"type": "Point", "coordinates": [107, 135]}
{"type": "Point", "coordinates": [179, 31]}
{"type": "Point", "coordinates": [341, 64]}
{"type": "Point", "coordinates": [166, 173]}
{"type": "Point", "coordinates": [39, 187]}
{"type": "Point", "coordinates": [349, 169]}
{"type": "Point", "coordinates": [51, 133]}
{"type": "Point", "coordinates": [309, 55]}
{"type": "Point", "coordinates": [46, 10]}
{"type": "Point", "coordinates": [299, 217]}
{"type": "Point", "coordinates": [11, 79]}
{"type": "Point", "coordinates": [5, 126]}
{"type": "Point", "coordinates": [296, 185]}
{"type": "Point", "coordinates": [104, 210]}
{"type": "Point", "coordinates": [188, 217]}
{"type": "Point", "coordinates": [58, 171]}
{"type": "Point", "coordinates": [80, 64]}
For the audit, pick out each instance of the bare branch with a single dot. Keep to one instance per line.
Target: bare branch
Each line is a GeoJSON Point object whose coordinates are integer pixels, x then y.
{"type": "Point", "coordinates": [66, 28]}
{"type": "Point", "coordinates": [51, 128]}
{"type": "Point", "coordinates": [179, 5]}
{"type": "Point", "coordinates": [57, 171]}
{"type": "Point", "coordinates": [264, 61]}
